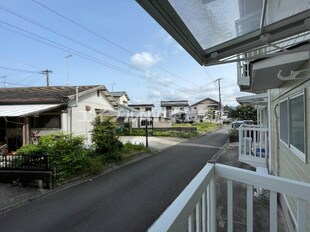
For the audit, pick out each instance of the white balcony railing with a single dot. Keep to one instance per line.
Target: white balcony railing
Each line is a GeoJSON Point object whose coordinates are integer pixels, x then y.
{"type": "Point", "coordinates": [253, 145]}
{"type": "Point", "coordinates": [195, 208]}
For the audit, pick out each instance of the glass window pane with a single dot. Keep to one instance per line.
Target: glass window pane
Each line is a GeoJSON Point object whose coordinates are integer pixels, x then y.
{"type": "Point", "coordinates": [297, 123]}
{"type": "Point", "coordinates": [283, 122]}
{"type": "Point", "coordinates": [213, 22]}
{"type": "Point", "coordinates": [280, 9]}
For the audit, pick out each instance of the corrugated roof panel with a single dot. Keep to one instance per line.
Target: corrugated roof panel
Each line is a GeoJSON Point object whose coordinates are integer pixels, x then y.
{"type": "Point", "coordinates": [25, 110]}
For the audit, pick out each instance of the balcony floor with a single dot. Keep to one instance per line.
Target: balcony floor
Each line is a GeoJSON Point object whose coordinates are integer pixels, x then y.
{"type": "Point", "coordinates": [260, 206]}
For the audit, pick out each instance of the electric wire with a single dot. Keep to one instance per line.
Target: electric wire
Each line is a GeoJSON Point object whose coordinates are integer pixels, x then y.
{"type": "Point", "coordinates": [67, 37]}
{"type": "Point", "coordinates": [109, 41]}
{"type": "Point", "coordinates": [78, 53]}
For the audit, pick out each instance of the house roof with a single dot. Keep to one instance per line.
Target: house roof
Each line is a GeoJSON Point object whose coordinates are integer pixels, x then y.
{"type": "Point", "coordinates": [141, 105]}
{"type": "Point", "coordinates": [174, 103]}
{"type": "Point", "coordinates": [206, 99]}
{"type": "Point", "coordinates": [119, 94]}
{"type": "Point", "coordinates": [25, 110]}
{"type": "Point", "coordinates": [49, 94]}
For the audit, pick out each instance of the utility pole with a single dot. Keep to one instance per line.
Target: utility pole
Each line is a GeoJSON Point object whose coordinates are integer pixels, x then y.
{"type": "Point", "coordinates": [67, 57]}
{"type": "Point", "coordinates": [220, 101]}
{"type": "Point", "coordinates": [4, 81]}
{"type": "Point", "coordinates": [112, 85]}
{"type": "Point", "coordinates": [146, 133]}
{"type": "Point", "coordinates": [46, 73]}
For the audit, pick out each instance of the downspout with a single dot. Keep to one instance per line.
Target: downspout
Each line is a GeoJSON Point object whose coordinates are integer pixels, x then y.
{"type": "Point", "coordinates": [75, 105]}
{"type": "Point", "coordinates": [269, 131]}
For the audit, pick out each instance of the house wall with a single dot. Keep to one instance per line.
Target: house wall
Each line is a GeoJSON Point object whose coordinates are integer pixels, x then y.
{"type": "Point", "coordinates": [284, 161]}
{"type": "Point", "coordinates": [158, 123]}
{"type": "Point", "coordinates": [174, 110]}
{"type": "Point", "coordinates": [203, 107]}
{"type": "Point", "coordinates": [80, 120]}
{"type": "Point", "coordinates": [143, 108]}
{"type": "Point", "coordinates": [123, 100]}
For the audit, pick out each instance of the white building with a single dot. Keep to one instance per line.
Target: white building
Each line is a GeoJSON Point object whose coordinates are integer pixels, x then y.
{"type": "Point", "coordinates": [170, 108]}
{"type": "Point", "coordinates": [28, 113]}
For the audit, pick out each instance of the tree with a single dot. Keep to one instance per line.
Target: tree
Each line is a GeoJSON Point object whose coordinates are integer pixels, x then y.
{"type": "Point", "coordinates": [104, 137]}
{"type": "Point", "coordinates": [247, 112]}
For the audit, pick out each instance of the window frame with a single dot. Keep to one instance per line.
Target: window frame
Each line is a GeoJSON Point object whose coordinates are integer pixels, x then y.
{"type": "Point", "coordinates": [287, 122]}
{"type": "Point", "coordinates": [301, 155]}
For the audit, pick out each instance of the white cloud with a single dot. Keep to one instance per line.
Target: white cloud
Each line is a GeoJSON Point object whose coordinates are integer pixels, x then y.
{"type": "Point", "coordinates": [174, 46]}
{"type": "Point", "coordinates": [144, 60]}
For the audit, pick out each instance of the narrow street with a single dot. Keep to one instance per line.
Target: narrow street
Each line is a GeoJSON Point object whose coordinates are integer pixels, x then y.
{"type": "Point", "coordinates": [127, 199]}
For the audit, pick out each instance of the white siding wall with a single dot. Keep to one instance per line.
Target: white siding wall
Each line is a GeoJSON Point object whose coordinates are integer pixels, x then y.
{"type": "Point", "coordinates": [123, 100]}
{"type": "Point", "coordinates": [81, 119]}
{"type": "Point", "coordinates": [284, 162]}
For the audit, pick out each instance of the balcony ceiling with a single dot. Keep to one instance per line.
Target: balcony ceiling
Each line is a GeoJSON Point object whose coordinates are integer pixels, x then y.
{"type": "Point", "coordinates": [264, 72]}
{"type": "Point", "coordinates": [213, 31]}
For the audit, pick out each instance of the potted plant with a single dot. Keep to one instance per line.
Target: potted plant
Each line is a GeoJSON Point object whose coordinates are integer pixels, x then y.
{"type": "Point", "coordinates": [233, 135]}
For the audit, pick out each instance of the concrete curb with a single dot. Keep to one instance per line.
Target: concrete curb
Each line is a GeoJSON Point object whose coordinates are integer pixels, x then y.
{"type": "Point", "coordinates": [219, 153]}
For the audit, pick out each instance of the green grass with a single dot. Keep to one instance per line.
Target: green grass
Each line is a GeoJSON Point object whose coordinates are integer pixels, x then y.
{"type": "Point", "coordinates": [202, 127]}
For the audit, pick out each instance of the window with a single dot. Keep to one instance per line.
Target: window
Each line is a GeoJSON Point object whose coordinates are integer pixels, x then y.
{"type": "Point", "coordinates": [149, 123]}
{"type": "Point", "coordinates": [46, 121]}
{"type": "Point", "coordinates": [181, 108]}
{"type": "Point", "coordinates": [148, 109]}
{"type": "Point", "coordinates": [297, 125]}
{"type": "Point", "coordinates": [292, 124]}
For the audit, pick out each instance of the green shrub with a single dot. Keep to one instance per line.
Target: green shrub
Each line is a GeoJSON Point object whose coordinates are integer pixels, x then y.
{"type": "Point", "coordinates": [66, 153]}
{"type": "Point", "coordinates": [30, 149]}
{"type": "Point", "coordinates": [104, 137]}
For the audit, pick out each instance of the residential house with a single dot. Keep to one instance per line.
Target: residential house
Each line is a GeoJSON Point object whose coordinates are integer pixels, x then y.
{"type": "Point", "coordinates": [206, 108]}
{"type": "Point", "coordinates": [28, 113]}
{"type": "Point", "coordinates": [120, 97]}
{"type": "Point", "coordinates": [269, 41]}
{"type": "Point", "coordinates": [147, 117]}
{"type": "Point", "coordinates": [143, 107]}
{"type": "Point", "coordinates": [171, 108]}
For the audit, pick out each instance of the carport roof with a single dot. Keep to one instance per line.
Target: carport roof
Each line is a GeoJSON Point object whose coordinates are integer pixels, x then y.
{"type": "Point", "coordinates": [25, 110]}
{"type": "Point", "coordinates": [212, 31]}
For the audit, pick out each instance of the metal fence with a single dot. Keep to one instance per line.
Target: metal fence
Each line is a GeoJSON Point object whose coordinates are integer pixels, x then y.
{"type": "Point", "coordinates": [25, 162]}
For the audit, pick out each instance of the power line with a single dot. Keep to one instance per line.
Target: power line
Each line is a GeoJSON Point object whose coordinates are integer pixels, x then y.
{"type": "Point", "coordinates": [109, 41]}
{"type": "Point", "coordinates": [20, 70]}
{"type": "Point", "coordinates": [67, 37]}
{"type": "Point", "coordinates": [76, 52]}
{"type": "Point", "coordinates": [64, 36]}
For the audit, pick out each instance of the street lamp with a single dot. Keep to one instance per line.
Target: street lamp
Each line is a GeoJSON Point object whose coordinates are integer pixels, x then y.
{"type": "Point", "coordinates": [67, 57]}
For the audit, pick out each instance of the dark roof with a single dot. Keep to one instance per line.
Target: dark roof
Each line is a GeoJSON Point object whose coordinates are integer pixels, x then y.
{"type": "Point", "coordinates": [216, 103]}
{"type": "Point", "coordinates": [174, 103]}
{"type": "Point", "coordinates": [119, 94]}
{"type": "Point", "coordinates": [141, 105]}
{"type": "Point", "coordinates": [48, 94]}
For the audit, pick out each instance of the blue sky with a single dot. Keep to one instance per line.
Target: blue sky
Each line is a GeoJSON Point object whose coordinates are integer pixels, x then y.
{"type": "Point", "coordinates": [126, 50]}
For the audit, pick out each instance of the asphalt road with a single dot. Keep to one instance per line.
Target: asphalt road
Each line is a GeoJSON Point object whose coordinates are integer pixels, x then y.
{"type": "Point", "coordinates": [127, 199]}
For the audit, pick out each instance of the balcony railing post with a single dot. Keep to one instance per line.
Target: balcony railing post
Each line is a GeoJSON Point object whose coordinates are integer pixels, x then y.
{"type": "Point", "coordinates": [230, 204]}
{"type": "Point", "coordinates": [213, 204]}
{"type": "Point", "coordinates": [249, 208]}
{"type": "Point", "coordinates": [301, 215]}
